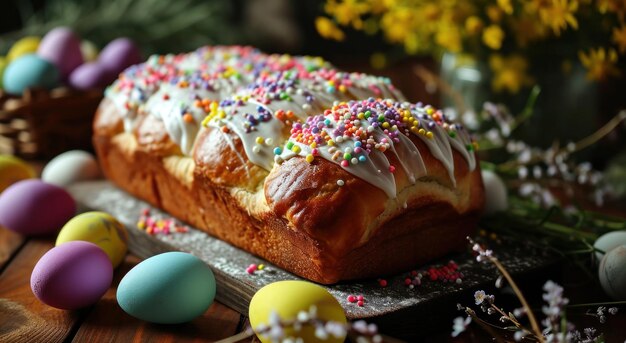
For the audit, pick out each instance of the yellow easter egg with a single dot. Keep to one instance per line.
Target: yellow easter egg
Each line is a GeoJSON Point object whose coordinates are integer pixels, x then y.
{"type": "Point", "coordinates": [12, 170]}
{"type": "Point", "coordinates": [287, 299]}
{"type": "Point", "coordinates": [3, 64]}
{"type": "Point", "coordinates": [99, 228]}
{"type": "Point", "coordinates": [89, 51]}
{"type": "Point", "coordinates": [26, 45]}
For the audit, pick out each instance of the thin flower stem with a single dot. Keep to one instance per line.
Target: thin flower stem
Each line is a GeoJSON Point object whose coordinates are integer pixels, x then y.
{"type": "Point", "coordinates": [603, 131]}
{"type": "Point", "coordinates": [531, 317]}
{"type": "Point", "coordinates": [598, 304]}
{"type": "Point", "coordinates": [485, 325]}
{"type": "Point", "coordinates": [511, 319]}
{"type": "Point", "coordinates": [238, 337]}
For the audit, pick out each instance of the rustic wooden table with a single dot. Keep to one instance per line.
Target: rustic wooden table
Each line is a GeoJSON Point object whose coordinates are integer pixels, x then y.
{"type": "Point", "coordinates": [23, 318]}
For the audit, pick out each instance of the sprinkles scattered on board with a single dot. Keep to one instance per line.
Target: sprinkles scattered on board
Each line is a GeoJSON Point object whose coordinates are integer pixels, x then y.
{"type": "Point", "coordinates": [154, 225]}
{"type": "Point", "coordinates": [358, 299]}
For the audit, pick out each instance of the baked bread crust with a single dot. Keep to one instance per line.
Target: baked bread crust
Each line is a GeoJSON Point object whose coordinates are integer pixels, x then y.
{"type": "Point", "coordinates": [315, 218]}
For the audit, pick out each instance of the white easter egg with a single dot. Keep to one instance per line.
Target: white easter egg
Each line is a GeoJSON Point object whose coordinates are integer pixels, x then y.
{"type": "Point", "coordinates": [612, 273]}
{"type": "Point", "coordinates": [608, 242]}
{"type": "Point", "coordinates": [69, 167]}
{"type": "Point", "coordinates": [496, 198]}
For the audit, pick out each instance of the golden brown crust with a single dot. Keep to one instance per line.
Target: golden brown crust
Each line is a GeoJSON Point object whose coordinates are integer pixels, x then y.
{"type": "Point", "coordinates": [221, 158]}
{"type": "Point", "coordinates": [297, 216]}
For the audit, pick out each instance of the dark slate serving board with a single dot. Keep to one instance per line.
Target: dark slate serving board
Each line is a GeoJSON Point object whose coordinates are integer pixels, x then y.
{"type": "Point", "coordinates": [236, 287]}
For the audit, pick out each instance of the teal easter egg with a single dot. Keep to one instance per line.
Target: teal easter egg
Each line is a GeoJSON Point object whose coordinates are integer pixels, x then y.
{"type": "Point", "coordinates": [169, 288]}
{"type": "Point", "coordinates": [29, 71]}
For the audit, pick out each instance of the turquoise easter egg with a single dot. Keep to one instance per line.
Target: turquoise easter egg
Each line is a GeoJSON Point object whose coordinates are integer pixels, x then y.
{"type": "Point", "coordinates": [169, 288]}
{"type": "Point", "coordinates": [29, 71]}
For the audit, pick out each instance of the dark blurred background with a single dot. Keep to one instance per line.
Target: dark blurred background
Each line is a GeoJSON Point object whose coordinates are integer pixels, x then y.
{"type": "Point", "coordinates": [281, 26]}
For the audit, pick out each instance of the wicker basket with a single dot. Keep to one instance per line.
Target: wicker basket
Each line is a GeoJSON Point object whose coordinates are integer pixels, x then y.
{"type": "Point", "coordinates": [42, 124]}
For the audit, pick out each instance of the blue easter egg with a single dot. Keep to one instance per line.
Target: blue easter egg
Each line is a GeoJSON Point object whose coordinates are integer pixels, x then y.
{"type": "Point", "coordinates": [169, 288]}
{"type": "Point", "coordinates": [29, 71]}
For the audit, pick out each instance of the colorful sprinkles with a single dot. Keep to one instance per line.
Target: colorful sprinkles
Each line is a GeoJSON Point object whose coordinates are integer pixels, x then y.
{"type": "Point", "coordinates": [154, 225]}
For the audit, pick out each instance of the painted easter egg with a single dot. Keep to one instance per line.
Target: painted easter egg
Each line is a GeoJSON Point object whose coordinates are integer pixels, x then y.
{"type": "Point", "coordinates": [612, 273]}
{"type": "Point", "coordinates": [169, 288]}
{"type": "Point", "coordinates": [89, 50]}
{"type": "Point", "coordinates": [119, 54]}
{"type": "Point", "coordinates": [608, 242]}
{"type": "Point", "coordinates": [89, 76]}
{"type": "Point", "coordinates": [496, 198]}
{"type": "Point", "coordinates": [69, 167]}
{"type": "Point", "coordinates": [287, 299]}
{"type": "Point", "coordinates": [61, 47]}
{"type": "Point", "coordinates": [3, 65]}
{"type": "Point", "coordinates": [29, 71]}
{"type": "Point", "coordinates": [33, 207]}
{"type": "Point", "coordinates": [24, 46]}
{"type": "Point", "coordinates": [99, 228]}
{"type": "Point", "coordinates": [72, 275]}
{"type": "Point", "coordinates": [12, 170]}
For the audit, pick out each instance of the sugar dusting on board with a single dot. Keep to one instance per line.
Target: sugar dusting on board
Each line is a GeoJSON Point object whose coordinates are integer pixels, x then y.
{"type": "Point", "coordinates": [236, 285]}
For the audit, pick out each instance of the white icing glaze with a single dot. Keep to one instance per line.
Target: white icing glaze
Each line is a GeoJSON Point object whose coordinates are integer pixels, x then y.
{"type": "Point", "coordinates": [371, 164]}
{"type": "Point", "coordinates": [302, 85]}
{"type": "Point", "coordinates": [236, 121]}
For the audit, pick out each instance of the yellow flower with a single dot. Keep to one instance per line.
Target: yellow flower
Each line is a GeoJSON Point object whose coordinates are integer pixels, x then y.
{"type": "Point", "coordinates": [378, 60]}
{"type": "Point", "coordinates": [328, 29]}
{"type": "Point", "coordinates": [527, 29]}
{"type": "Point", "coordinates": [509, 73]}
{"type": "Point", "coordinates": [493, 36]}
{"type": "Point", "coordinates": [619, 37]}
{"type": "Point", "coordinates": [347, 12]}
{"type": "Point", "coordinates": [506, 6]}
{"type": "Point", "coordinates": [449, 38]}
{"type": "Point", "coordinates": [615, 6]}
{"type": "Point", "coordinates": [600, 63]}
{"type": "Point", "coordinates": [494, 13]}
{"type": "Point", "coordinates": [558, 14]}
{"type": "Point", "coordinates": [473, 25]}
{"type": "Point", "coordinates": [398, 24]}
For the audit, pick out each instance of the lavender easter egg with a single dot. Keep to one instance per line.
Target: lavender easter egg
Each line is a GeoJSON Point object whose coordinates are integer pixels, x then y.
{"type": "Point", "coordinates": [119, 54]}
{"type": "Point", "coordinates": [72, 275]}
{"type": "Point", "coordinates": [33, 207]}
{"type": "Point", "coordinates": [29, 71]}
{"type": "Point", "coordinates": [61, 47]}
{"type": "Point", "coordinates": [90, 76]}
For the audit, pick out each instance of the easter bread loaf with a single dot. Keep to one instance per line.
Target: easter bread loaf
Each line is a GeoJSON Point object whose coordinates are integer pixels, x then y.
{"type": "Point", "coordinates": [329, 175]}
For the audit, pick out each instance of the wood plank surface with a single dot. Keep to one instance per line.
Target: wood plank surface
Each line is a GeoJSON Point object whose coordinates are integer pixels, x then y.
{"type": "Point", "coordinates": [107, 322]}
{"type": "Point", "coordinates": [10, 242]}
{"type": "Point", "coordinates": [23, 318]}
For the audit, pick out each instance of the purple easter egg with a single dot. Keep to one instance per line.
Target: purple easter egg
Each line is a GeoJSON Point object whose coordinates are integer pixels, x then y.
{"type": "Point", "coordinates": [89, 76]}
{"type": "Point", "coordinates": [61, 47]}
{"type": "Point", "coordinates": [119, 54]}
{"type": "Point", "coordinates": [72, 275]}
{"type": "Point", "coordinates": [33, 207]}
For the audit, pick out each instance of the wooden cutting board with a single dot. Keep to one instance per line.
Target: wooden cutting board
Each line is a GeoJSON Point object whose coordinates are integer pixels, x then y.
{"type": "Point", "coordinates": [236, 287]}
